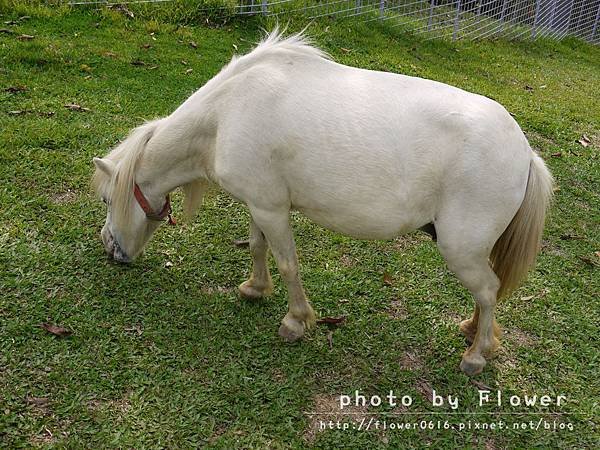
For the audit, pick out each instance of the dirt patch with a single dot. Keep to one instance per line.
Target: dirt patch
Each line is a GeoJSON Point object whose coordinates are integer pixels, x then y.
{"type": "Point", "coordinates": [347, 260]}
{"type": "Point", "coordinates": [410, 360]}
{"type": "Point", "coordinates": [210, 290]}
{"type": "Point", "coordinates": [408, 241]}
{"type": "Point", "coordinates": [397, 310]}
{"type": "Point", "coordinates": [61, 198]}
{"type": "Point", "coordinates": [520, 337]}
{"type": "Point", "coordinates": [325, 408]}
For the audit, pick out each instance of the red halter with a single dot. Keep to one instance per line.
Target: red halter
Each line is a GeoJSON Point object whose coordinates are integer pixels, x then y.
{"type": "Point", "coordinates": [150, 214]}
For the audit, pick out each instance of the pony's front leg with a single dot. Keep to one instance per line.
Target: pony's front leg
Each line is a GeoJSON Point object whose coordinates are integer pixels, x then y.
{"type": "Point", "coordinates": [276, 227]}
{"type": "Point", "coordinates": [260, 284]}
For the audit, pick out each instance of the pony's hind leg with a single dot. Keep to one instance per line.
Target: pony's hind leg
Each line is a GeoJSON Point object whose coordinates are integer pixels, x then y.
{"type": "Point", "coordinates": [471, 266]}
{"type": "Point", "coordinates": [259, 284]}
{"type": "Point", "coordinates": [276, 227]}
{"type": "Point", "coordinates": [468, 327]}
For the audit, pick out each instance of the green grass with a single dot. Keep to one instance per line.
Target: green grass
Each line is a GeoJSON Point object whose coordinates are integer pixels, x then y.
{"type": "Point", "coordinates": [171, 357]}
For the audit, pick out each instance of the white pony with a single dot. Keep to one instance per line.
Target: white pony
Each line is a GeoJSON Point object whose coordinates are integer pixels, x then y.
{"type": "Point", "coordinates": [369, 154]}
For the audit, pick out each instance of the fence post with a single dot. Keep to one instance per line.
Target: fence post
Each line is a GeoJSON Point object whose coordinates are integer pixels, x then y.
{"type": "Point", "coordinates": [264, 7]}
{"type": "Point", "coordinates": [596, 23]}
{"type": "Point", "coordinates": [358, 6]}
{"type": "Point", "coordinates": [537, 16]}
{"type": "Point", "coordinates": [430, 20]}
{"type": "Point", "coordinates": [456, 21]}
{"type": "Point", "coordinates": [502, 15]}
{"type": "Point", "coordinates": [381, 8]}
{"type": "Point", "coordinates": [552, 14]}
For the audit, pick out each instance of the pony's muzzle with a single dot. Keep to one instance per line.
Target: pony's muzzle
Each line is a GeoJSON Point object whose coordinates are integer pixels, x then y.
{"type": "Point", "coordinates": [112, 247]}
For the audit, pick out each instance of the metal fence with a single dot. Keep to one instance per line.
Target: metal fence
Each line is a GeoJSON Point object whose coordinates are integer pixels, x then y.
{"type": "Point", "coordinates": [458, 19]}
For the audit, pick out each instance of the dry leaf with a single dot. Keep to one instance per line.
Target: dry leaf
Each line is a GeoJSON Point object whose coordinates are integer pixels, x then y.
{"type": "Point", "coordinates": [330, 340]}
{"type": "Point", "coordinates": [387, 279]}
{"type": "Point", "coordinates": [138, 62]}
{"type": "Point", "coordinates": [193, 44]}
{"type": "Point", "coordinates": [235, 46]}
{"type": "Point", "coordinates": [25, 37]}
{"type": "Point", "coordinates": [597, 254]}
{"type": "Point", "coordinates": [571, 237]}
{"type": "Point", "coordinates": [6, 31]}
{"type": "Point", "coordinates": [76, 107]}
{"type": "Point", "coordinates": [345, 50]}
{"type": "Point", "coordinates": [147, 46]}
{"type": "Point", "coordinates": [556, 155]}
{"type": "Point", "coordinates": [589, 261]}
{"type": "Point", "coordinates": [168, 264]}
{"type": "Point", "coordinates": [480, 385]}
{"type": "Point", "coordinates": [242, 243]}
{"type": "Point", "coordinates": [189, 71]}
{"type": "Point", "coordinates": [184, 62]}
{"type": "Point", "coordinates": [37, 401]}
{"type": "Point", "coordinates": [529, 297]}
{"type": "Point", "coordinates": [331, 320]}
{"type": "Point", "coordinates": [17, 112]}
{"type": "Point", "coordinates": [109, 54]}
{"type": "Point", "coordinates": [15, 89]}
{"type": "Point", "coordinates": [85, 68]}
{"type": "Point", "coordinates": [56, 330]}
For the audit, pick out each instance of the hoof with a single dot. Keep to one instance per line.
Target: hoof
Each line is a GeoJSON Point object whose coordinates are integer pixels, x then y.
{"type": "Point", "coordinates": [250, 292]}
{"type": "Point", "coordinates": [472, 365]}
{"type": "Point", "coordinates": [468, 329]}
{"type": "Point", "coordinates": [291, 329]}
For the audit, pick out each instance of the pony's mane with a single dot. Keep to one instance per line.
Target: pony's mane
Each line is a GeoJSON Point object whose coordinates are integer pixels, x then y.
{"type": "Point", "coordinates": [125, 157]}
{"type": "Point", "coordinates": [128, 153]}
{"type": "Point", "coordinates": [273, 44]}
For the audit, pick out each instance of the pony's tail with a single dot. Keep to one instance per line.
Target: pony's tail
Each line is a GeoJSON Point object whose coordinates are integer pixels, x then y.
{"type": "Point", "coordinates": [515, 251]}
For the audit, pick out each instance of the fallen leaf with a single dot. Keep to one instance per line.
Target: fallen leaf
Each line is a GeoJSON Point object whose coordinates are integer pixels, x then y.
{"type": "Point", "coordinates": [387, 279]}
{"type": "Point", "coordinates": [189, 71]}
{"type": "Point", "coordinates": [6, 31]}
{"type": "Point", "coordinates": [529, 297]}
{"type": "Point", "coordinates": [480, 385]}
{"type": "Point", "coordinates": [15, 89]}
{"type": "Point", "coordinates": [25, 37]}
{"type": "Point", "coordinates": [242, 243]}
{"type": "Point", "coordinates": [109, 54]}
{"type": "Point", "coordinates": [76, 107]}
{"type": "Point", "coordinates": [330, 340]}
{"type": "Point", "coordinates": [147, 46]}
{"type": "Point", "coordinates": [571, 237]}
{"type": "Point", "coordinates": [543, 86]}
{"type": "Point", "coordinates": [331, 320]}
{"type": "Point", "coordinates": [345, 50]}
{"type": "Point", "coordinates": [193, 44]}
{"type": "Point", "coordinates": [556, 155]}
{"type": "Point", "coordinates": [597, 254]}
{"type": "Point", "coordinates": [344, 300]}
{"type": "Point", "coordinates": [85, 68]}
{"type": "Point", "coordinates": [152, 67]}
{"type": "Point", "coordinates": [589, 261]}
{"type": "Point", "coordinates": [168, 264]}
{"type": "Point", "coordinates": [138, 62]}
{"type": "Point", "coordinates": [528, 88]}
{"type": "Point", "coordinates": [56, 330]}
{"type": "Point", "coordinates": [37, 401]}
{"type": "Point", "coordinates": [184, 62]}
{"type": "Point", "coordinates": [17, 112]}
{"type": "Point", "coordinates": [235, 46]}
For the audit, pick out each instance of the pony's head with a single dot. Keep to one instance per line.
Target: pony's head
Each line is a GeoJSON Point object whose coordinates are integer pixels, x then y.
{"type": "Point", "coordinates": [128, 226]}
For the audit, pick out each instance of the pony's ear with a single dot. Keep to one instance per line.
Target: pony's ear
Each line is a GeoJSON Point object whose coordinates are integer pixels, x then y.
{"type": "Point", "coordinates": [105, 165]}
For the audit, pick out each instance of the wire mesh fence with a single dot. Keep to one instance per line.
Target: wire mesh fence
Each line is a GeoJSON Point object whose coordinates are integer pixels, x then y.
{"type": "Point", "coordinates": [456, 19]}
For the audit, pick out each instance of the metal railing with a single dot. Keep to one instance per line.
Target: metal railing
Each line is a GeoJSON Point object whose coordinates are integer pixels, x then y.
{"type": "Point", "coordinates": [457, 19]}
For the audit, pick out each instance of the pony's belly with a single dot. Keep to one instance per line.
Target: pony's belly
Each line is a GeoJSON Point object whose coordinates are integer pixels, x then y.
{"type": "Point", "coordinates": [361, 226]}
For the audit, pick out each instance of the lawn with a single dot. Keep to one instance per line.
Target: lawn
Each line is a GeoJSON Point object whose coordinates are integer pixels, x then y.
{"type": "Point", "coordinates": [163, 353]}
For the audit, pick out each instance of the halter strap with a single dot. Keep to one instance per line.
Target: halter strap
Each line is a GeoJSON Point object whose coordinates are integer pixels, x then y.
{"type": "Point", "coordinates": [150, 214]}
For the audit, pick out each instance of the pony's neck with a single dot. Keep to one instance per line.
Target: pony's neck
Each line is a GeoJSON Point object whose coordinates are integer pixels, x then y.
{"type": "Point", "coordinates": [180, 151]}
